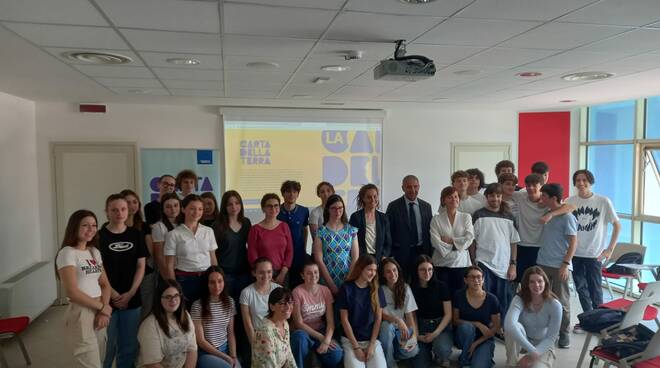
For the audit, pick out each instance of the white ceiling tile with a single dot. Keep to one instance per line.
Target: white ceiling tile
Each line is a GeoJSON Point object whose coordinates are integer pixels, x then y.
{"type": "Point", "coordinates": [563, 36]}
{"type": "Point", "coordinates": [631, 64]}
{"type": "Point", "coordinates": [367, 80]}
{"type": "Point", "coordinates": [546, 72]}
{"type": "Point", "coordinates": [443, 55]}
{"type": "Point", "coordinates": [140, 91]}
{"type": "Point", "coordinates": [505, 57]}
{"type": "Point", "coordinates": [188, 84]}
{"type": "Point", "coordinates": [634, 42]}
{"type": "Point", "coordinates": [573, 59]}
{"type": "Point", "coordinates": [247, 85]}
{"type": "Point", "coordinates": [173, 41]}
{"type": "Point", "coordinates": [69, 36]}
{"type": "Point", "coordinates": [354, 26]}
{"type": "Point", "coordinates": [313, 66]}
{"type": "Point", "coordinates": [455, 72]}
{"type": "Point", "coordinates": [439, 8]}
{"type": "Point", "coordinates": [239, 93]}
{"type": "Point", "coordinates": [360, 92]}
{"type": "Point", "coordinates": [617, 12]}
{"type": "Point", "coordinates": [57, 52]}
{"type": "Point", "coordinates": [549, 84]}
{"type": "Point", "coordinates": [319, 4]}
{"type": "Point", "coordinates": [188, 74]}
{"type": "Point", "coordinates": [336, 79]}
{"type": "Point", "coordinates": [130, 82]}
{"type": "Point", "coordinates": [264, 20]}
{"type": "Point", "coordinates": [266, 46]}
{"type": "Point", "coordinates": [522, 9]}
{"type": "Point", "coordinates": [196, 92]}
{"type": "Point", "coordinates": [110, 71]}
{"type": "Point", "coordinates": [234, 62]}
{"type": "Point", "coordinates": [156, 59]}
{"type": "Point", "coordinates": [257, 77]}
{"type": "Point", "coordinates": [475, 32]}
{"type": "Point", "coordinates": [370, 50]}
{"type": "Point", "coordinates": [315, 90]}
{"type": "Point", "coordinates": [78, 12]}
{"type": "Point", "coordinates": [171, 15]}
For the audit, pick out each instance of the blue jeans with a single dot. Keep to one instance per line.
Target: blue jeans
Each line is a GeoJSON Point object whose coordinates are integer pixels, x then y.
{"type": "Point", "coordinates": [206, 360]}
{"type": "Point", "coordinates": [302, 344]}
{"type": "Point", "coordinates": [588, 278]}
{"type": "Point", "coordinates": [192, 287]}
{"type": "Point", "coordinates": [440, 347]}
{"type": "Point", "coordinates": [482, 357]}
{"type": "Point", "coordinates": [122, 338]}
{"type": "Point", "coordinates": [501, 288]}
{"type": "Point", "coordinates": [390, 337]}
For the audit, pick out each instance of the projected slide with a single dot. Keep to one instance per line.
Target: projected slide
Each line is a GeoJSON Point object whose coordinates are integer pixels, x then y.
{"type": "Point", "coordinates": [260, 155]}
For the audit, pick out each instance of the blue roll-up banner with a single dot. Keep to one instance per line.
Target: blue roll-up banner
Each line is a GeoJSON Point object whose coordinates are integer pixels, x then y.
{"type": "Point", "coordinates": [157, 162]}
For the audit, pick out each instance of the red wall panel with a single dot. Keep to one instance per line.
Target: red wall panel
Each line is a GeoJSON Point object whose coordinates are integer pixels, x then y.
{"type": "Point", "coordinates": [545, 136]}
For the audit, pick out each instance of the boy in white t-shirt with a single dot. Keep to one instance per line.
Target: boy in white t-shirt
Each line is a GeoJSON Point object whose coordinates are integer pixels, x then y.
{"type": "Point", "coordinates": [593, 213]}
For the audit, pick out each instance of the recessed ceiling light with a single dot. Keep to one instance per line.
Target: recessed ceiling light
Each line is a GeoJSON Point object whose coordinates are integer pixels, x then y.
{"type": "Point", "coordinates": [183, 61]}
{"type": "Point", "coordinates": [416, 1]}
{"type": "Point", "coordinates": [333, 103]}
{"type": "Point", "coordinates": [301, 96]}
{"type": "Point", "coordinates": [567, 101]}
{"type": "Point", "coordinates": [139, 91]}
{"type": "Point", "coordinates": [96, 57]}
{"type": "Point", "coordinates": [529, 74]}
{"type": "Point", "coordinates": [263, 65]}
{"type": "Point", "coordinates": [586, 76]}
{"type": "Point", "coordinates": [468, 72]}
{"type": "Point", "coordinates": [335, 68]}
{"type": "Point", "coordinates": [320, 80]}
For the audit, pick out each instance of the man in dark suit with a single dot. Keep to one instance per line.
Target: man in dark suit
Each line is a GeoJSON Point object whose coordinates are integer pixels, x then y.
{"type": "Point", "coordinates": [410, 219]}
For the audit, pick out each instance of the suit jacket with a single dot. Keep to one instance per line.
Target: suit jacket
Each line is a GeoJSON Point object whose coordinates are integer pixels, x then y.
{"type": "Point", "coordinates": [383, 237]}
{"type": "Point", "coordinates": [397, 213]}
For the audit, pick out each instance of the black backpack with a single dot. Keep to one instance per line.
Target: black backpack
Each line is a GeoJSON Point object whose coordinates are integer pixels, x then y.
{"type": "Point", "coordinates": [631, 257]}
{"type": "Point", "coordinates": [599, 319]}
{"type": "Point", "coordinates": [626, 342]}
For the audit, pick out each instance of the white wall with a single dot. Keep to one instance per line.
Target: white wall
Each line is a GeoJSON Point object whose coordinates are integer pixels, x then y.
{"type": "Point", "coordinates": [419, 142]}
{"type": "Point", "coordinates": [19, 200]}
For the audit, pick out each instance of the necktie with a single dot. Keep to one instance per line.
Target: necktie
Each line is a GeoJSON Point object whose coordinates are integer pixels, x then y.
{"type": "Point", "coordinates": [413, 224]}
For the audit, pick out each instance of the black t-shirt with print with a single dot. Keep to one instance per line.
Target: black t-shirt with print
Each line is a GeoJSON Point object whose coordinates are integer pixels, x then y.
{"type": "Point", "coordinates": [120, 253]}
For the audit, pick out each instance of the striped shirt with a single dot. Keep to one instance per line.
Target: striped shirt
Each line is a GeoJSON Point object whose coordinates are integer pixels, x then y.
{"type": "Point", "coordinates": [215, 327]}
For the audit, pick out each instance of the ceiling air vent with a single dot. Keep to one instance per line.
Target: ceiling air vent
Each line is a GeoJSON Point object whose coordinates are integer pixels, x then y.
{"type": "Point", "coordinates": [96, 57]}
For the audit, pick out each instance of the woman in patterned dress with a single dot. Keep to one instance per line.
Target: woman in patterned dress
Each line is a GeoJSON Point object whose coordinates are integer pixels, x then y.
{"type": "Point", "coordinates": [272, 347]}
{"type": "Point", "coordinates": [335, 247]}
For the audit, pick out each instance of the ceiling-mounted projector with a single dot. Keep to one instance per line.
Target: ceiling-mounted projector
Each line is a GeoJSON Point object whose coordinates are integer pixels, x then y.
{"type": "Point", "coordinates": [404, 68]}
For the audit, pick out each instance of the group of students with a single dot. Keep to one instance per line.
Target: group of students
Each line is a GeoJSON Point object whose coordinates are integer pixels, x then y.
{"type": "Point", "coordinates": [404, 284]}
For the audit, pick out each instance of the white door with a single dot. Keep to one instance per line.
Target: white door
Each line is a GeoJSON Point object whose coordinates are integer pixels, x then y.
{"type": "Point", "coordinates": [86, 173]}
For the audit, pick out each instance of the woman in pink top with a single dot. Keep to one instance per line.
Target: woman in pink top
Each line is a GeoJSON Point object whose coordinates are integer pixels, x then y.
{"type": "Point", "coordinates": [313, 320]}
{"type": "Point", "coordinates": [271, 238]}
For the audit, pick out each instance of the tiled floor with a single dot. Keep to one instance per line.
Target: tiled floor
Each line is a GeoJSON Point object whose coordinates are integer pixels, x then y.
{"type": "Point", "coordinates": [44, 341]}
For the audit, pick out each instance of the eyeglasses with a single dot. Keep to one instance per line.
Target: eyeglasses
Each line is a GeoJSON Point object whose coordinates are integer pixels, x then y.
{"type": "Point", "coordinates": [170, 297]}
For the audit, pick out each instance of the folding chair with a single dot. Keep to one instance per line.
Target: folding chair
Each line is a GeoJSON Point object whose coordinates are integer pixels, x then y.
{"type": "Point", "coordinates": [633, 316]}
{"type": "Point", "coordinates": [642, 359]}
{"type": "Point", "coordinates": [10, 328]}
{"type": "Point", "coordinates": [619, 250]}
{"type": "Point", "coordinates": [651, 290]}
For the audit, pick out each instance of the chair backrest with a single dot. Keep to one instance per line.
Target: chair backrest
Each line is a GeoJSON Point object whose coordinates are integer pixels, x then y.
{"type": "Point", "coordinates": [623, 248]}
{"type": "Point", "coordinates": [635, 313]}
{"type": "Point", "coordinates": [653, 348]}
{"type": "Point", "coordinates": [652, 291]}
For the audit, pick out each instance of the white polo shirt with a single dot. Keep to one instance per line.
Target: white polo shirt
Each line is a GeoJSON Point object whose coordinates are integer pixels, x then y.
{"type": "Point", "coordinates": [191, 250]}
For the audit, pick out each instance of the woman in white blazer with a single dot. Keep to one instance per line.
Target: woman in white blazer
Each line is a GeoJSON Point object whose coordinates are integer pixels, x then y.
{"type": "Point", "coordinates": [451, 236]}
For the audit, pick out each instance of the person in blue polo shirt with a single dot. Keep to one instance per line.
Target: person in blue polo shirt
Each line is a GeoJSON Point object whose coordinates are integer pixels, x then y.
{"type": "Point", "coordinates": [296, 216]}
